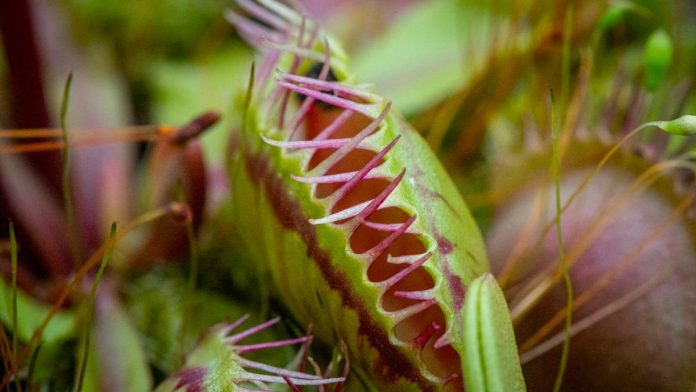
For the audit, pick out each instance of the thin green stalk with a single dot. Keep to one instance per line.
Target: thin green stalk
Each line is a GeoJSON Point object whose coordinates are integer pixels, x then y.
{"type": "Point", "coordinates": [248, 98]}
{"type": "Point", "coordinates": [32, 366]}
{"type": "Point", "coordinates": [77, 276]}
{"type": "Point", "coordinates": [15, 334]}
{"type": "Point", "coordinates": [82, 369]}
{"type": "Point", "coordinates": [565, 54]}
{"type": "Point", "coordinates": [13, 255]}
{"type": "Point", "coordinates": [556, 170]}
{"type": "Point", "coordinates": [65, 178]}
{"type": "Point", "coordinates": [556, 165]}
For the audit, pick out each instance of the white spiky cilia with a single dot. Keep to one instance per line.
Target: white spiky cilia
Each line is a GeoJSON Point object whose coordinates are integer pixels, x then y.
{"type": "Point", "coordinates": [218, 363]}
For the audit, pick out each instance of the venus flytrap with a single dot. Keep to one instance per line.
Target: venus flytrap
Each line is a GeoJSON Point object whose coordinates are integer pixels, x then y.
{"type": "Point", "coordinates": [359, 227]}
{"type": "Point", "coordinates": [361, 233]}
{"type": "Point", "coordinates": [218, 364]}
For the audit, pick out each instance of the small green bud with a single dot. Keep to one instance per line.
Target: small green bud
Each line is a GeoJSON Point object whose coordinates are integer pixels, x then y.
{"type": "Point", "coordinates": [657, 58]}
{"type": "Point", "coordinates": [682, 126]}
{"type": "Point", "coordinates": [611, 17]}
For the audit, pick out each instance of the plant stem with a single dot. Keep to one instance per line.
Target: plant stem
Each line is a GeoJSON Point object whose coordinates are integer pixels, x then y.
{"type": "Point", "coordinates": [556, 169]}
{"type": "Point", "coordinates": [65, 178]}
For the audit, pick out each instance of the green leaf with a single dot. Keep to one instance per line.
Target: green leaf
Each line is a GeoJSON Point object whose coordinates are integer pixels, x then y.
{"type": "Point", "coordinates": [183, 90]}
{"type": "Point", "coordinates": [30, 314]}
{"type": "Point", "coordinates": [490, 362]}
{"type": "Point", "coordinates": [117, 359]}
{"type": "Point", "coordinates": [421, 58]}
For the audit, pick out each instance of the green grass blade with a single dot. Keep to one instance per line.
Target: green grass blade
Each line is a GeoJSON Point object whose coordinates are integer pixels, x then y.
{"type": "Point", "coordinates": [65, 178]}
{"type": "Point", "coordinates": [90, 309]}
{"type": "Point", "coordinates": [556, 171]}
{"type": "Point", "coordinates": [15, 335]}
{"type": "Point", "coordinates": [13, 256]}
{"type": "Point", "coordinates": [247, 99]}
{"type": "Point", "coordinates": [32, 366]}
